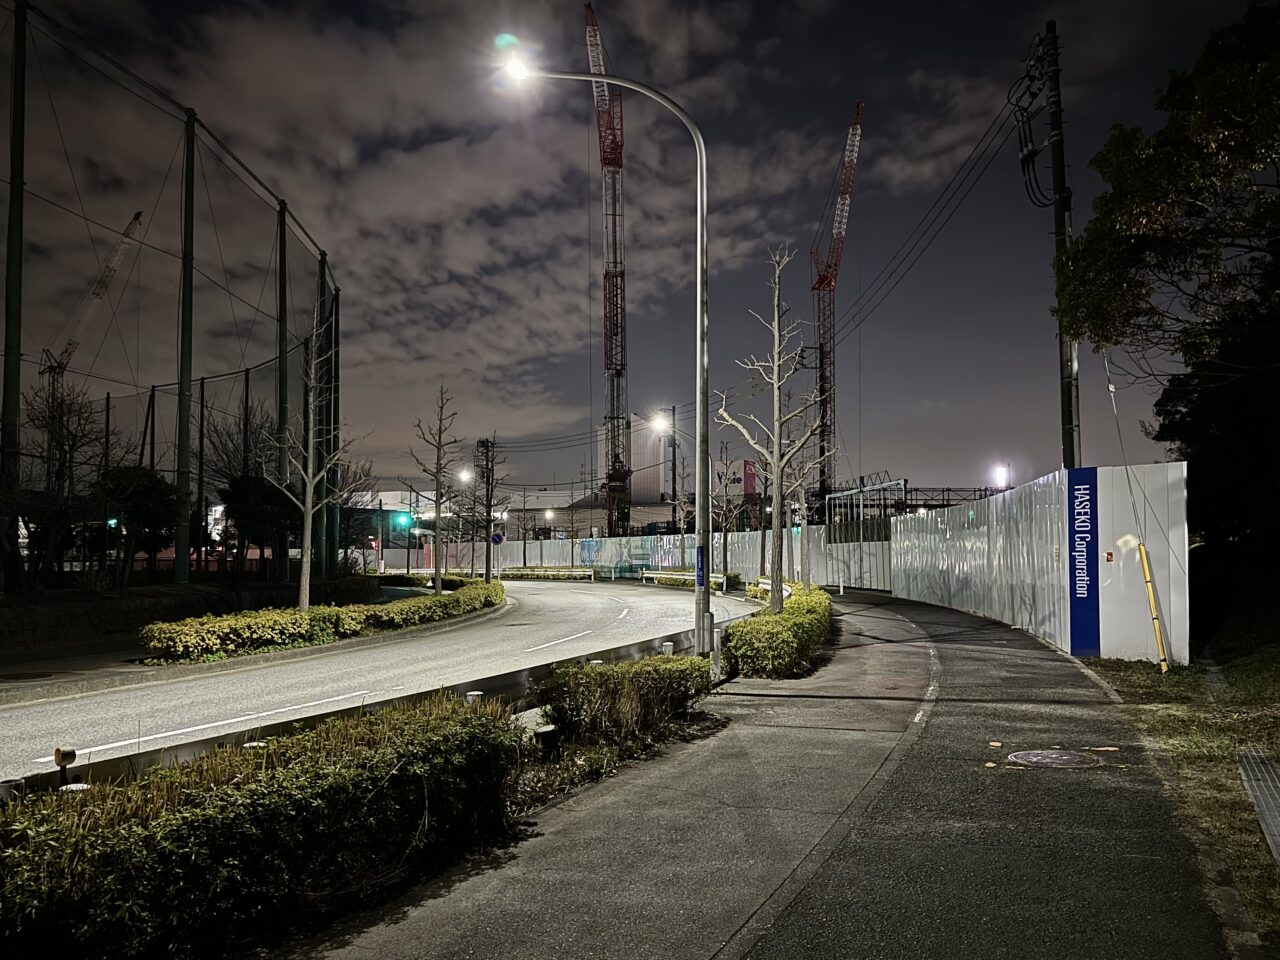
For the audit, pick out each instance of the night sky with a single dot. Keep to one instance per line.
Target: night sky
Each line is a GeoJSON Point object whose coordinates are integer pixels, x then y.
{"type": "Point", "coordinates": [463, 216]}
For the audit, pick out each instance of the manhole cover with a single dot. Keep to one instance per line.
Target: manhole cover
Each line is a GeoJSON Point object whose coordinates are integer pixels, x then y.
{"type": "Point", "coordinates": [19, 677]}
{"type": "Point", "coordinates": [1054, 758]}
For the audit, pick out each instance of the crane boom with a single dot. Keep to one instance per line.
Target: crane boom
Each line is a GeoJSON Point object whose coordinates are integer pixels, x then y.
{"type": "Point", "coordinates": [826, 274]}
{"type": "Point", "coordinates": [617, 466]}
{"type": "Point", "coordinates": [89, 301]}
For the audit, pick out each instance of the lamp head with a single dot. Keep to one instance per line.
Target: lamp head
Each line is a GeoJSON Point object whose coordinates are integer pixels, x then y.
{"type": "Point", "coordinates": [516, 69]}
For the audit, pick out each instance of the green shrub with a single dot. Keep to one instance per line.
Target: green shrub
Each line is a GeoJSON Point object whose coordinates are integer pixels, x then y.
{"type": "Point", "coordinates": [782, 644]}
{"type": "Point", "coordinates": [202, 638]}
{"type": "Point", "coordinates": [200, 858]}
{"type": "Point", "coordinates": [350, 589]}
{"type": "Point", "coordinates": [448, 581]}
{"type": "Point", "coordinates": [536, 573]}
{"type": "Point", "coordinates": [625, 702]}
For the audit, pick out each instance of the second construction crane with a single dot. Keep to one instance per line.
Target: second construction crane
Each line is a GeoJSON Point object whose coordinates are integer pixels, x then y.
{"type": "Point", "coordinates": [826, 269]}
{"type": "Point", "coordinates": [617, 418]}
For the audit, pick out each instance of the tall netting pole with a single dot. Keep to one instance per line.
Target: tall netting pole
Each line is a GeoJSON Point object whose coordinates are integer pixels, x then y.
{"type": "Point", "coordinates": [335, 509]}
{"type": "Point", "coordinates": [12, 403]}
{"type": "Point", "coordinates": [282, 373]}
{"type": "Point", "coordinates": [324, 432]}
{"type": "Point", "coordinates": [182, 532]}
{"type": "Point", "coordinates": [201, 507]}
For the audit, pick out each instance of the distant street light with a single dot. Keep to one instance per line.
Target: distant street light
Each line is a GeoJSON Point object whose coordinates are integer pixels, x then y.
{"type": "Point", "coordinates": [465, 476]}
{"type": "Point", "coordinates": [550, 513]}
{"type": "Point", "coordinates": [519, 71]}
{"type": "Point", "coordinates": [1002, 476]}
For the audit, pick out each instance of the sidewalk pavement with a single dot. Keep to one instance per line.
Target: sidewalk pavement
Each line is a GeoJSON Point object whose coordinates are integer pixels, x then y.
{"type": "Point", "coordinates": [866, 811]}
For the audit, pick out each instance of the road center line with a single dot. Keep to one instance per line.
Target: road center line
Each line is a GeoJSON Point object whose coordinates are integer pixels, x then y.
{"type": "Point", "coordinates": [554, 642]}
{"type": "Point", "coordinates": [87, 751]}
{"type": "Point", "coordinates": [623, 613]}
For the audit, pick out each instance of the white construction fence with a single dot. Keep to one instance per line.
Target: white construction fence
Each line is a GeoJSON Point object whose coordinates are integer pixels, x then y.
{"type": "Point", "coordinates": [1058, 557]}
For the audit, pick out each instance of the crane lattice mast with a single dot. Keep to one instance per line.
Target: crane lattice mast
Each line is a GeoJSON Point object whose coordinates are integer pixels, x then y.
{"type": "Point", "coordinates": [608, 107]}
{"type": "Point", "coordinates": [826, 273]}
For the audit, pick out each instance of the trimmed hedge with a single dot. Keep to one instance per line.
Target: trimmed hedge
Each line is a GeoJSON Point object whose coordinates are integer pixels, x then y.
{"type": "Point", "coordinates": [448, 581]}
{"type": "Point", "coordinates": [779, 645]}
{"type": "Point", "coordinates": [215, 637]}
{"type": "Point", "coordinates": [539, 573]}
{"type": "Point", "coordinates": [239, 844]}
{"type": "Point", "coordinates": [624, 702]}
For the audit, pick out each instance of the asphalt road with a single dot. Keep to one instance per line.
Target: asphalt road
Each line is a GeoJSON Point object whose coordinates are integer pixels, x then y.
{"type": "Point", "coordinates": [547, 622]}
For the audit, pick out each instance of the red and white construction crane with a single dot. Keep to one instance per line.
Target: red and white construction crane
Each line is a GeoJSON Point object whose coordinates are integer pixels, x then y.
{"type": "Point", "coordinates": [89, 301]}
{"type": "Point", "coordinates": [826, 273]}
{"type": "Point", "coordinates": [617, 418]}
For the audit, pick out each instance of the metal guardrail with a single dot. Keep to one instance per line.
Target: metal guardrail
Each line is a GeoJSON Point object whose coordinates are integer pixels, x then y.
{"type": "Point", "coordinates": [655, 575]}
{"type": "Point", "coordinates": [515, 688]}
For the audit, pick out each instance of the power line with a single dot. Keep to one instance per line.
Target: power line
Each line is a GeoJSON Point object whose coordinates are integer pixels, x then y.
{"type": "Point", "coordinates": [857, 317]}
{"type": "Point", "coordinates": [981, 150]}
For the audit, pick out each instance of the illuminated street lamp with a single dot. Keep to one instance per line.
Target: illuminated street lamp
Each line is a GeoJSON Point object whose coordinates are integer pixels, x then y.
{"type": "Point", "coordinates": [519, 71]}
{"type": "Point", "coordinates": [1002, 476]}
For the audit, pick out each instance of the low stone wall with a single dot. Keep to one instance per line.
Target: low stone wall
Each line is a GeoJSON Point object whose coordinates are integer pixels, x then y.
{"type": "Point", "coordinates": [64, 623]}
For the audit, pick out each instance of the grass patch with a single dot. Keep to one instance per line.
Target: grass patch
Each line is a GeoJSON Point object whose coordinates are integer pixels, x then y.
{"type": "Point", "coordinates": [1202, 739]}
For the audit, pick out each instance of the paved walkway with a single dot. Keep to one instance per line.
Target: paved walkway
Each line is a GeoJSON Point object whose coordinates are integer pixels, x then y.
{"type": "Point", "coordinates": [861, 812]}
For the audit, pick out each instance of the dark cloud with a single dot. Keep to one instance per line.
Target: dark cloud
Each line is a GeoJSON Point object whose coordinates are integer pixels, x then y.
{"type": "Point", "coordinates": [462, 215]}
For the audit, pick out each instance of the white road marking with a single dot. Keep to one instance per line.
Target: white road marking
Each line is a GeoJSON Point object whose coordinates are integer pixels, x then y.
{"type": "Point", "coordinates": [619, 599]}
{"type": "Point", "coordinates": [623, 614]}
{"type": "Point", "coordinates": [86, 751]}
{"type": "Point", "coordinates": [931, 692]}
{"type": "Point", "coordinates": [561, 640]}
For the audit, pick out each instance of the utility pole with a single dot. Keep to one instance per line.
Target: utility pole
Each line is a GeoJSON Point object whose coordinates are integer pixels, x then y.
{"type": "Point", "coordinates": [1068, 350]}
{"type": "Point", "coordinates": [282, 375]}
{"type": "Point", "coordinates": [182, 531]}
{"type": "Point", "coordinates": [675, 528]}
{"type": "Point", "coordinates": [10, 418]}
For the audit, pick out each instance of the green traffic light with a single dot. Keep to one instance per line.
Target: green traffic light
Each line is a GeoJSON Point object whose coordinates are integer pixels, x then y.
{"type": "Point", "coordinates": [113, 522]}
{"type": "Point", "coordinates": [403, 519]}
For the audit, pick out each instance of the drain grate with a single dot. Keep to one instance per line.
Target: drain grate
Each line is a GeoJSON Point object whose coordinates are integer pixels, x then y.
{"type": "Point", "coordinates": [20, 677]}
{"type": "Point", "coordinates": [1054, 758]}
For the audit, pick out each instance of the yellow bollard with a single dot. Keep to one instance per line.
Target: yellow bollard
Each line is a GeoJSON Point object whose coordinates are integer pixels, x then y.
{"type": "Point", "coordinates": [1151, 603]}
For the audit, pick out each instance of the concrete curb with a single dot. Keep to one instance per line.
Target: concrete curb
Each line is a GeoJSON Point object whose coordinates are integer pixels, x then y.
{"type": "Point", "coordinates": [75, 686]}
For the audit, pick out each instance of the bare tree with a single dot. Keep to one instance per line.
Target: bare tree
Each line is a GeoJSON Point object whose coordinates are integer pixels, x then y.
{"type": "Point", "coordinates": [441, 456]}
{"type": "Point", "coordinates": [487, 462]}
{"type": "Point", "coordinates": [724, 509]}
{"type": "Point", "coordinates": [66, 450]}
{"type": "Point", "coordinates": [315, 455]}
{"type": "Point", "coordinates": [239, 444]}
{"type": "Point", "coordinates": [572, 517]}
{"type": "Point", "coordinates": [775, 448]}
{"type": "Point", "coordinates": [526, 523]}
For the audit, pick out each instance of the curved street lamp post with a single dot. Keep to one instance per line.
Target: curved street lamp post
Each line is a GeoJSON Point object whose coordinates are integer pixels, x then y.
{"type": "Point", "coordinates": [704, 633]}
